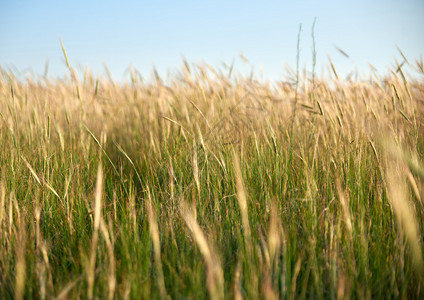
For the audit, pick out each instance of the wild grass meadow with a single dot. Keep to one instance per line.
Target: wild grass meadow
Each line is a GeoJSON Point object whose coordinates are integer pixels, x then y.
{"type": "Point", "coordinates": [212, 184]}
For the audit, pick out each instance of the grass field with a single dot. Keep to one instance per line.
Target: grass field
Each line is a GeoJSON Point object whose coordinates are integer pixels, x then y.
{"type": "Point", "coordinates": [212, 185]}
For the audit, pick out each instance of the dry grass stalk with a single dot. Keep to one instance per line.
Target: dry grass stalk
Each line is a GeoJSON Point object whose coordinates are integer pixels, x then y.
{"type": "Point", "coordinates": [214, 273]}
{"type": "Point", "coordinates": [39, 179]}
{"type": "Point", "coordinates": [294, 277]}
{"type": "Point", "coordinates": [196, 170]}
{"type": "Point", "coordinates": [400, 201]}
{"type": "Point", "coordinates": [43, 265]}
{"type": "Point", "coordinates": [2, 202]}
{"type": "Point", "coordinates": [237, 282]}
{"type": "Point", "coordinates": [274, 233]}
{"type": "Point", "coordinates": [132, 212]}
{"type": "Point", "coordinates": [345, 207]}
{"type": "Point", "coordinates": [20, 267]}
{"type": "Point", "coordinates": [154, 233]}
{"type": "Point", "coordinates": [111, 257]}
{"type": "Point", "coordinates": [97, 217]}
{"type": "Point", "coordinates": [242, 201]}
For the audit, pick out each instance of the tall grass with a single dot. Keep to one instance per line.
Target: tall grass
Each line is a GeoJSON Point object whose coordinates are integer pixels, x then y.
{"type": "Point", "coordinates": [209, 184]}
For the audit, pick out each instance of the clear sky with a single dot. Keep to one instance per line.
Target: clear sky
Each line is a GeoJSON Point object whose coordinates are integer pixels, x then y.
{"type": "Point", "coordinates": [160, 33]}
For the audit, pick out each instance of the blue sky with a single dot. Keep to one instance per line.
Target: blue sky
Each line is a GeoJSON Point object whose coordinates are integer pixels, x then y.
{"type": "Point", "coordinates": [160, 33]}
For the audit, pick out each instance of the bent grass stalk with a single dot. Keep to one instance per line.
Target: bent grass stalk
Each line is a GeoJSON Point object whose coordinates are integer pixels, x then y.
{"type": "Point", "coordinates": [214, 273]}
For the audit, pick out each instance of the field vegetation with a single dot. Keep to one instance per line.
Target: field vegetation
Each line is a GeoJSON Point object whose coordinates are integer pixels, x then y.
{"type": "Point", "coordinates": [211, 184]}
